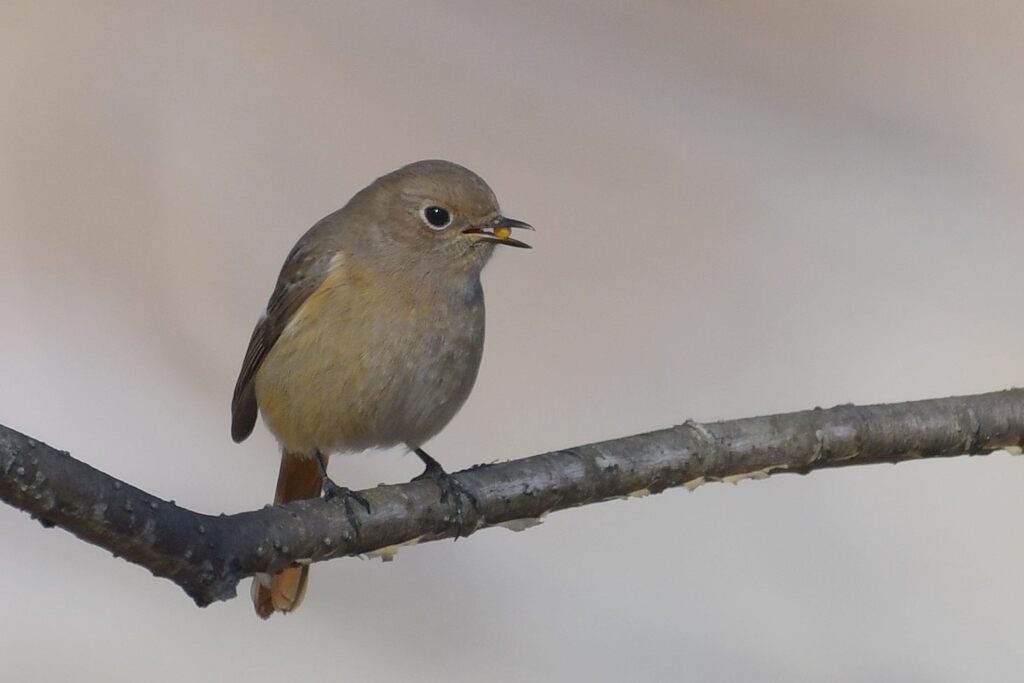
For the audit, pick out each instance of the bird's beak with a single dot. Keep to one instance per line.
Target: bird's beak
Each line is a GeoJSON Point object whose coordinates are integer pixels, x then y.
{"type": "Point", "coordinates": [499, 231]}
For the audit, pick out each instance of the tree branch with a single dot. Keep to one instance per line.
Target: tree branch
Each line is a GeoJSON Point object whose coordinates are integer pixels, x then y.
{"type": "Point", "coordinates": [208, 555]}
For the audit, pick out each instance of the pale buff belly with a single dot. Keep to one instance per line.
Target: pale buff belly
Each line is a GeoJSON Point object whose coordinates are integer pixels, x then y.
{"type": "Point", "coordinates": [353, 373]}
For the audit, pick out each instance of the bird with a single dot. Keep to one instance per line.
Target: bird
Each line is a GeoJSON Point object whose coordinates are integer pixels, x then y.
{"type": "Point", "coordinates": [372, 337]}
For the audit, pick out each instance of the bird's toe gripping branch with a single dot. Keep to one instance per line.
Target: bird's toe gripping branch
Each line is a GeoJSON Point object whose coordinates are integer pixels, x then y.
{"type": "Point", "coordinates": [452, 490]}
{"type": "Point", "coordinates": [346, 495]}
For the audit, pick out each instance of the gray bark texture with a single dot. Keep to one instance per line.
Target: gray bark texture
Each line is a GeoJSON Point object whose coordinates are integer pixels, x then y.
{"type": "Point", "coordinates": [208, 555]}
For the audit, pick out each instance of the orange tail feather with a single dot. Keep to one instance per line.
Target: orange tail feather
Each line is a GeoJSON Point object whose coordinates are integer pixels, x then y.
{"type": "Point", "coordinates": [298, 478]}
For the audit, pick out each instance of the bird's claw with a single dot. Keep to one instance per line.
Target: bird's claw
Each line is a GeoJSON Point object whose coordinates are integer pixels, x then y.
{"type": "Point", "coordinates": [451, 490]}
{"type": "Point", "coordinates": [343, 493]}
{"type": "Point", "coordinates": [346, 495]}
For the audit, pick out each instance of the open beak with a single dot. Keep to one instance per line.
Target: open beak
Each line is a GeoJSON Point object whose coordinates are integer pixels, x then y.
{"type": "Point", "coordinates": [499, 231]}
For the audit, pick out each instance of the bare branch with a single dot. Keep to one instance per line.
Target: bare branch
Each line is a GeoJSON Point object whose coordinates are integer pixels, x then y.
{"type": "Point", "coordinates": [208, 555]}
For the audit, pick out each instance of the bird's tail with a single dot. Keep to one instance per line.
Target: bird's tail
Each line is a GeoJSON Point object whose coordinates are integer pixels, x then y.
{"type": "Point", "coordinates": [298, 478]}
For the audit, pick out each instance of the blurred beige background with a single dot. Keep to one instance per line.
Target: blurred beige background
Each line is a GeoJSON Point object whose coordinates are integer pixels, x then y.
{"type": "Point", "coordinates": [742, 208]}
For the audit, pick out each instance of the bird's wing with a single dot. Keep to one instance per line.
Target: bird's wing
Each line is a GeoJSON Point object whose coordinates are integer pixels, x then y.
{"type": "Point", "coordinates": [302, 274]}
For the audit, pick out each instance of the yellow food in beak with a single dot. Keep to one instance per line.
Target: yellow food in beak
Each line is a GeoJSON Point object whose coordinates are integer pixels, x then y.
{"type": "Point", "coordinates": [502, 233]}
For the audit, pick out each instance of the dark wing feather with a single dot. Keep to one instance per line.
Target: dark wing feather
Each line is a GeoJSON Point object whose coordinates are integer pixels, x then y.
{"type": "Point", "coordinates": [302, 274]}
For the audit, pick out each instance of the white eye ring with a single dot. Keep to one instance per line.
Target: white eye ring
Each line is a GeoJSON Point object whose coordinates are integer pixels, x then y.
{"type": "Point", "coordinates": [436, 217]}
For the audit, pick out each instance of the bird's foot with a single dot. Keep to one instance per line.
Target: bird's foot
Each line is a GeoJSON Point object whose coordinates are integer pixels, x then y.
{"type": "Point", "coordinates": [344, 494]}
{"type": "Point", "coordinates": [451, 490]}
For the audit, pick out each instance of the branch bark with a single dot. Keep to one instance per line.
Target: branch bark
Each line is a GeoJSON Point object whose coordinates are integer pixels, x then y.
{"type": "Point", "coordinates": [208, 555]}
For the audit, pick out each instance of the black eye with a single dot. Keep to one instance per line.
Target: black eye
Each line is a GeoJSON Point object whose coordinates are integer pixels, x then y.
{"type": "Point", "coordinates": [437, 216]}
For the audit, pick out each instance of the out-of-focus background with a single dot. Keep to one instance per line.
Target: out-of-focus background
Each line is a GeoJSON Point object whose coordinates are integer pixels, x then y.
{"type": "Point", "coordinates": [742, 208]}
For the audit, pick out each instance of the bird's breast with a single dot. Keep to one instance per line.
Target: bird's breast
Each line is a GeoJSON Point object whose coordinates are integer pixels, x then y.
{"type": "Point", "coordinates": [372, 361]}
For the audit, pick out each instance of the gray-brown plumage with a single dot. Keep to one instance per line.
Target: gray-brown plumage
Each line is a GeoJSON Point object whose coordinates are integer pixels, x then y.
{"type": "Point", "coordinates": [374, 333]}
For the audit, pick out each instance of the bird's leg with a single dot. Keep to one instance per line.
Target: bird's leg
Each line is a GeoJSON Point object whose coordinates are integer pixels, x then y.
{"type": "Point", "coordinates": [347, 495]}
{"type": "Point", "coordinates": [450, 488]}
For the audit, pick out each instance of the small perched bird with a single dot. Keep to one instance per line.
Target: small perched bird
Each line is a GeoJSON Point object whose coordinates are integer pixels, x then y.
{"type": "Point", "coordinates": [372, 337]}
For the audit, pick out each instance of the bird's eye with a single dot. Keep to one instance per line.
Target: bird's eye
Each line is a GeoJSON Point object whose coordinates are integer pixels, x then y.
{"type": "Point", "coordinates": [437, 217]}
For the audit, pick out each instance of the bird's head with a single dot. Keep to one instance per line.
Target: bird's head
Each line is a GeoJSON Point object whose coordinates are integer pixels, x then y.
{"type": "Point", "coordinates": [440, 214]}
